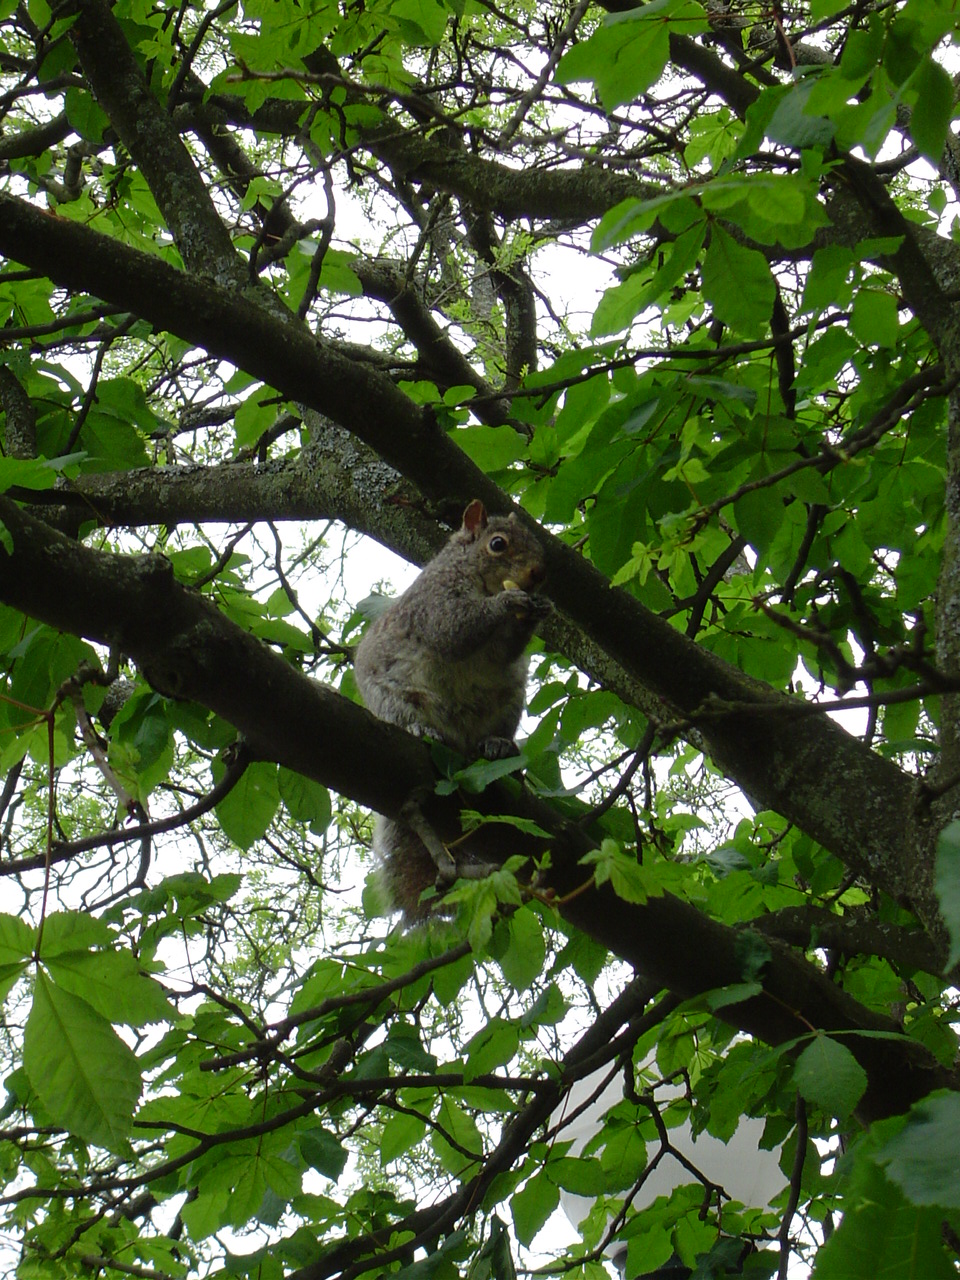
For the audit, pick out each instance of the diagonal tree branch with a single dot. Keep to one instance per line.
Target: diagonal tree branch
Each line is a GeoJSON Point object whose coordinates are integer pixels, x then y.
{"type": "Point", "coordinates": [153, 141]}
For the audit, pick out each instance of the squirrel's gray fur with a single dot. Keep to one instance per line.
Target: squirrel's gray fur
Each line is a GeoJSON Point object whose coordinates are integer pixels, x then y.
{"type": "Point", "coordinates": [447, 659]}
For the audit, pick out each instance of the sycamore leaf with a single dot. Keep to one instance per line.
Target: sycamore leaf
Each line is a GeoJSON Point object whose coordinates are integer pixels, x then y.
{"type": "Point", "coordinates": [82, 1072]}
{"type": "Point", "coordinates": [946, 884]}
{"type": "Point", "coordinates": [533, 1205]}
{"type": "Point", "coordinates": [923, 1159]}
{"type": "Point", "coordinates": [249, 809]}
{"type": "Point", "coordinates": [112, 983]}
{"type": "Point", "coordinates": [828, 1075]}
{"type": "Point", "coordinates": [737, 283]}
{"type": "Point", "coordinates": [884, 1237]}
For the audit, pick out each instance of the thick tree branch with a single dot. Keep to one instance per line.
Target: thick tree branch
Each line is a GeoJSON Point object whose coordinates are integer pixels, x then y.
{"type": "Point", "coordinates": [387, 281]}
{"type": "Point", "coordinates": [572, 196]}
{"type": "Point", "coordinates": [850, 935]}
{"type": "Point", "coordinates": [153, 141]}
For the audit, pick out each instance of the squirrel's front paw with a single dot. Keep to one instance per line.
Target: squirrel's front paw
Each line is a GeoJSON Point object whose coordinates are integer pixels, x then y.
{"type": "Point", "coordinates": [497, 748]}
{"type": "Point", "coordinates": [526, 604]}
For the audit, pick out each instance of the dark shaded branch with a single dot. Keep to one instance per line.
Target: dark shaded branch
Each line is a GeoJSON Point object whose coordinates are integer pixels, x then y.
{"type": "Point", "coordinates": [810, 927]}
{"type": "Point", "coordinates": [20, 429]}
{"type": "Point", "coordinates": [449, 366]}
{"type": "Point", "coordinates": [34, 142]}
{"type": "Point", "coordinates": [572, 196]}
{"type": "Point", "coordinates": [188, 650]}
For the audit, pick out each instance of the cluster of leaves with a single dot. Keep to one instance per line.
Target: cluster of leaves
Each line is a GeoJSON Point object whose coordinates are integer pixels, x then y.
{"type": "Point", "coordinates": [282, 261]}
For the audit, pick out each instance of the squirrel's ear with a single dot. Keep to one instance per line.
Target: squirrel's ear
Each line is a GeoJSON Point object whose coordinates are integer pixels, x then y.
{"type": "Point", "coordinates": [475, 517]}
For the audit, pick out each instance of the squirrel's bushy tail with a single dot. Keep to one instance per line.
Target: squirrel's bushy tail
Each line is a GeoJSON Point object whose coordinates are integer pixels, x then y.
{"type": "Point", "coordinates": [406, 869]}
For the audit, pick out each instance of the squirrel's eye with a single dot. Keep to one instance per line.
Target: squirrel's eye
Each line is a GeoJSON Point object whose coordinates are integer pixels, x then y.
{"type": "Point", "coordinates": [498, 544]}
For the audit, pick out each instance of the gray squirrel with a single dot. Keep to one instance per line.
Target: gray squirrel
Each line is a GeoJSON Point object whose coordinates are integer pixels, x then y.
{"type": "Point", "coordinates": [447, 659]}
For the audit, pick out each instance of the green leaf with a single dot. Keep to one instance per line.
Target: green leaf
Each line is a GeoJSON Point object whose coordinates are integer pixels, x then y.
{"type": "Point", "coordinates": [828, 1075]}
{"type": "Point", "coordinates": [27, 473]}
{"type": "Point", "coordinates": [206, 1214]}
{"type": "Point", "coordinates": [759, 517]}
{"type": "Point", "coordinates": [862, 50]}
{"type": "Point", "coordinates": [74, 931]}
{"type": "Point", "coordinates": [736, 993]}
{"type": "Point", "coordinates": [246, 813]}
{"type": "Point", "coordinates": [630, 217]}
{"type": "Point", "coordinates": [337, 274]}
{"type": "Point", "coordinates": [441, 1264]}
{"type": "Point", "coordinates": [714, 136]}
{"type": "Point", "coordinates": [427, 16]}
{"type": "Point", "coordinates": [874, 318]}
{"type": "Point", "coordinates": [930, 117]}
{"type": "Point", "coordinates": [400, 1133]}
{"type": "Point", "coordinates": [323, 1151]}
{"type": "Point", "coordinates": [621, 64]}
{"type": "Point", "coordinates": [86, 115]}
{"type": "Point", "coordinates": [82, 1072]}
{"type": "Point", "coordinates": [776, 198]}
{"type": "Point", "coordinates": [821, 9]}
{"type": "Point", "coordinates": [623, 1158]}
{"type": "Point", "coordinates": [649, 1250]}
{"type": "Point", "coordinates": [753, 954]}
{"type": "Point", "coordinates": [533, 1205]}
{"type": "Point", "coordinates": [474, 777]}
{"type": "Point", "coordinates": [621, 304]}
{"type": "Point", "coordinates": [946, 884]}
{"type": "Point", "coordinates": [923, 1159]}
{"type": "Point", "coordinates": [793, 123]}
{"type": "Point", "coordinates": [256, 415]}
{"type": "Point", "coordinates": [548, 1008]}
{"type": "Point", "coordinates": [17, 939]}
{"type": "Point", "coordinates": [494, 1261]}
{"type": "Point", "coordinates": [583, 1175]}
{"type": "Point", "coordinates": [629, 879]}
{"type": "Point", "coordinates": [405, 1047]}
{"type": "Point", "coordinates": [243, 1175]}
{"type": "Point", "coordinates": [491, 448]}
{"type": "Point", "coordinates": [828, 280]}
{"type": "Point", "coordinates": [493, 1046]}
{"type": "Point", "coordinates": [626, 55]}
{"type": "Point", "coordinates": [472, 819]}
{"type": "Point", "coordinates": [305, 800]}
{"type": "Point", "coordinates": [737, 283]}
{"type": "Point", "coordinates": [456, 1138]}
{"type": "Point", "coordinates": [882, 1237]}
{"type": "Point", "coordinates": [523, 957]}
{"type": "Point", "coordinates": [112, 983]}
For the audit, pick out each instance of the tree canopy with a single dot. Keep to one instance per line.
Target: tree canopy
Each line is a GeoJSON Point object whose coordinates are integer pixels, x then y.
{"type": "Point", "coordinates": [679, 282]}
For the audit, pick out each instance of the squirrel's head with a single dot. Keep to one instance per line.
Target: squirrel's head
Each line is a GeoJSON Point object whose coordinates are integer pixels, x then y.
{"type": "Point", "coordinates": [511, 558]}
